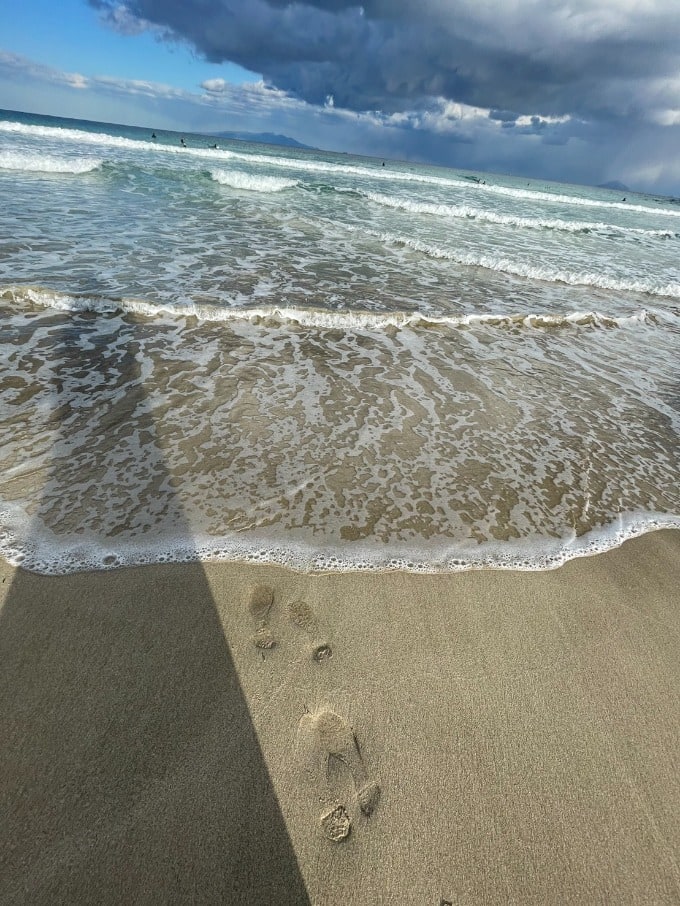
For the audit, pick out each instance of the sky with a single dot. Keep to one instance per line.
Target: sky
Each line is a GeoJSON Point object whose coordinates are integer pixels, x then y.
{"type": "Point", "coordinates": [584, 91]}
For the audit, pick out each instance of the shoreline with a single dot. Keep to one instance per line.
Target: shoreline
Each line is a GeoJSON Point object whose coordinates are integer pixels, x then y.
{"type": "Point", "coordinates": [522, 727]}
{"type": "Point", "coordinates": [544, 555]}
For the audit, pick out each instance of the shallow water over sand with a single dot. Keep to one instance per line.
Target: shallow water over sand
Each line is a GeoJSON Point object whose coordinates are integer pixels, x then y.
{"type": "Point", "coordinates": [312, 361]}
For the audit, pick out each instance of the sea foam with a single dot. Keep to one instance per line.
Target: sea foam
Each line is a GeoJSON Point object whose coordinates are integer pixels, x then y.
{"type": "Point", "coordinates": [532, 223]}
{"type": "Point", "coordinates": [44, 163]}
{"type": "Point", "coordinates": [251, 182]}
{"type": "Point", "coordinates": [397, 172]}
{"type": "Point", "coordinates": [325, 319]}
{"type": "Point", "coordinates": [651, 287]}
{"type": "Point", "coordinates": [21, 548]}
{"type": "Point", "coordinates": [322, 377]}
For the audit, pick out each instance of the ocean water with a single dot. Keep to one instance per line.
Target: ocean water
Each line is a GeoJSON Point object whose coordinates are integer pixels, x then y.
{"type": "Point", "coordinates": [331, 362]}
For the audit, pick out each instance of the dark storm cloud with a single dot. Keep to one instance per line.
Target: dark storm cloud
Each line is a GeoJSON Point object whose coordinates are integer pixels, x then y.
{"type": "Point", "coordinates": [550, 58]}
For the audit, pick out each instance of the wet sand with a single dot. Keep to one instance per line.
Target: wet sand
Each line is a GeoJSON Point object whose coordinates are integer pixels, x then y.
{"type": "Point", "coordinates": [181, 734]}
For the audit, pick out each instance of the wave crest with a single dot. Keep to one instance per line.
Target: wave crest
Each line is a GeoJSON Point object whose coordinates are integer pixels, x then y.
{"type": "Point", "coordinates": [42, 163]}
{"type": "Point", "coordinates": [323, 319]}
{"type": "Point", "coordinates": [531, 223]}
{"type": "Point", "coordinates": [532, 272]}
{"type": "Point", "coordinates": [251, 182]}
{"type": "Point", "coordinates": [394, 171]}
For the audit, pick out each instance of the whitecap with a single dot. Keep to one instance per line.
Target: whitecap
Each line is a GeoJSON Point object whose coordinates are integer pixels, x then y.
{"type": "Point", "coordinates": [44, 163]}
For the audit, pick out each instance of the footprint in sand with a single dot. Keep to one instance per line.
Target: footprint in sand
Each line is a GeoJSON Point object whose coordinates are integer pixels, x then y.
{"type": "Point", "coordinates": [334, 741]}
{"type": "Point", "coordinates": [260, 603]}
{"type": "Point", "coordinates": [300, 613]}
{"type": "Point", "coordinates": [336, 823]}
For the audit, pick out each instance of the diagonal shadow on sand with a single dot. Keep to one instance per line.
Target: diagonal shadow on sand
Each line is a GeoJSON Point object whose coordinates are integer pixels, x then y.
{"type": "Point", "coordinates": [130, 771]}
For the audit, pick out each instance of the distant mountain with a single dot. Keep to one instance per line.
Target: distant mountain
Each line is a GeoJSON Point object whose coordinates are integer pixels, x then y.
{"type": "Point", "coordinates": [614, 184]}
{"type": "Point", "coordinates": [269, 138]}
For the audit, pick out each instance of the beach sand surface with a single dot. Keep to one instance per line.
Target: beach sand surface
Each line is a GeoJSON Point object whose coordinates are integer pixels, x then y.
{"type": "Point", "coordinates": [244, 734]}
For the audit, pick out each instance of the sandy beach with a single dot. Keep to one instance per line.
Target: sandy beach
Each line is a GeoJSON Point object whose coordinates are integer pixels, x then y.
{"type": "Point", "coordinates": [473, 738]}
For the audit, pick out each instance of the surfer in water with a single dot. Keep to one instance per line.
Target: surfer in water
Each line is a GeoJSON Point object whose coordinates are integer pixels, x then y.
{"type": "Point", "coordinates": [182, 142]}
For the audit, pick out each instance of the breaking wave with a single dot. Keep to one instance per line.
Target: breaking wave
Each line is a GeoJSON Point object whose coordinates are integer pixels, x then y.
{"type": "Point", "coordinates": [531, 223]}
{"type": "Point", "coordinates": [323, 319]}
{"type": "Point", "coordinates": [251, 182]}
{"type": "Point", "coordinates": [41, 163]}
{"type": "Point", "coordinates": [534, 272]}
{"type": "Point", "coordinates": [306, 164]}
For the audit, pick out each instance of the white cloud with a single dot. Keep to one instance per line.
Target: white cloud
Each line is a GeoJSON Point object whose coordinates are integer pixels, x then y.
{"type": "Point", "coordinates": [75, 80]}
{"type": "Point", "coordinates": [15, 65]}
{"type": "Point", "coordinates": [666, 117]}
{"type": "Point", "coordinates": [547, 120]}
{"type": "Point", "coordinates": [215, 86]}
{"type": "Point", "coordinates": [133, 87]}
{"type": "Point", "coordinates": [119, 18]}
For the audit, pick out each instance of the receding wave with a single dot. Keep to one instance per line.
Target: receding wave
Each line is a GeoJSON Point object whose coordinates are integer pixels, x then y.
{"type": "Point", "coordinates": [422, 450]}
{"type": "Point", "coordinates": [530, 223]}
{"type": "Point", "coordinates": [530, 271]}
{"type": "Point", "coordinates": [45, 163]}
{"type": "Point", "coordinates": [252, 182]}
{"type": "Point", "coordinates": [323, 319]}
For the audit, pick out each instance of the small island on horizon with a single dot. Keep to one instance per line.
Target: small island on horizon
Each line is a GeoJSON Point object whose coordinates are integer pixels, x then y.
{"type": "Point", "coordinates": [267, 138]}
{"type": "Point", "coordinates": [614, 184]}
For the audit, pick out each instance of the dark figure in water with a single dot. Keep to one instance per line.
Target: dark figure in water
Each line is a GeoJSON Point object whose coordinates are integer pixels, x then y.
{"type": "Point", "coordinates": [182, 142]}
{"type": "Point", "coordinates": [623, 199]}
{"type": "Point", "coordinates": [153, 135]}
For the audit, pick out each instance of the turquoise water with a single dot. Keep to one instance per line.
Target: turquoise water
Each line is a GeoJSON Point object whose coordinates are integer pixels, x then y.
{"type": "Point", "coordinates": [324, 360]}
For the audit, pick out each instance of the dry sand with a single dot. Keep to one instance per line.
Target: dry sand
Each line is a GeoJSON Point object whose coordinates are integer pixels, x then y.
{"type": "Point", "coordinates": [484, 737]}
